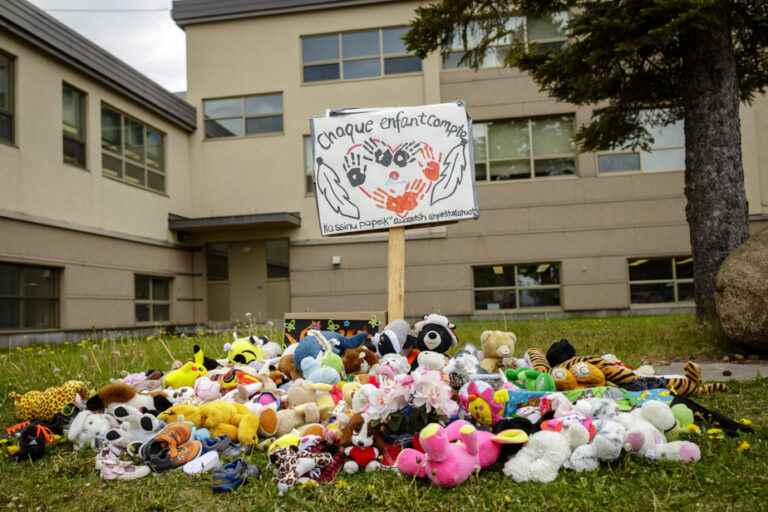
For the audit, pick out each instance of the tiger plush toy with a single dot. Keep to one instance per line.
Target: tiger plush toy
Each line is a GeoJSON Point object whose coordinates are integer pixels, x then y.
{"type": "Point", "coordinates": [43, 405]}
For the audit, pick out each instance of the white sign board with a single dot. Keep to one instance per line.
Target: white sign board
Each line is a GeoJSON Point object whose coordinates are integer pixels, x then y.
{"type": "Point", "coordinates": [383, 168]}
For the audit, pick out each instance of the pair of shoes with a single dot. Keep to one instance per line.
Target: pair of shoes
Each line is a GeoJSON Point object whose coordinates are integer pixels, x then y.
{"type": "Point", "coordinates": [170, 448]}
{"type": "Point", "coordinates": [204, 463]}
{"type": "Point", "coordinates": [231, 476]}
{"type": "Point", "coordinates": [110, 466]}
{"type": "Point", "coordinates": [216, 444]}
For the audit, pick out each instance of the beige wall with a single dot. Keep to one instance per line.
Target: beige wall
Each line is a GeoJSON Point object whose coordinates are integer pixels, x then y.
{"type": "Point", "coordinates": [37, 182]}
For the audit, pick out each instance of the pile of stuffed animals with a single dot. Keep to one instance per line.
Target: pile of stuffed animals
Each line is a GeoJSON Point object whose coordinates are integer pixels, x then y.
{"type": "Point", "coordinates": [406, 400]}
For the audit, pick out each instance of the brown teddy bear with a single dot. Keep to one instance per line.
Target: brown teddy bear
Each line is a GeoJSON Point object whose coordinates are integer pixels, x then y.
{"type": "Point", "coordinates": [359, 360]}
{"type": "Point", "coordinates": [498, 350]}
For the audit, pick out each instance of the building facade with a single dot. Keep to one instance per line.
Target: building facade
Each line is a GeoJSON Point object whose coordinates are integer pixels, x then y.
{"type": "Point", "coordinates": [123, 206]}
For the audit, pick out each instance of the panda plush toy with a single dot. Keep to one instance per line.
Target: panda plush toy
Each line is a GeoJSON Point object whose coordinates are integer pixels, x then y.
{"type": "Point", "coordinates": [395, 338]}
{"type": "Point", "coordinates": [435, 334]}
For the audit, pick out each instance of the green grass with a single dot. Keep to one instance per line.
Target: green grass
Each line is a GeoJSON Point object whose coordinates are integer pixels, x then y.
{"type": "Point", "coordinates": [723, 480]}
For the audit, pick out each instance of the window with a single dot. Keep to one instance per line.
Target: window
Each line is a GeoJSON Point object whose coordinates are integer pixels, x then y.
{"type": "Point", "coordinates": [73, 125]}
{"type": "Point", "coordinates": [217, 262]}
{"type": "Point", "coordinates": [247, 115]}
{"type": "Point", "coordinates": [545, 33]}
{"type": "Point", "coordinates": [528, 285]}
{"type": "Point", "coordinates": [153, 299]}
{"type": "Point", "coordinates": [132, 151]}
{"type": "Point", "coordinates": [661, 280]}
{"type": "Point", "coordinates": [6, 99]}
{"type": "Point", "coordinates": [361, 54]}
{"type": "Point", "coordinates": [277, 259]}
{"type": "Point", "coordinates": [667, 153]}
{"type": "Point", "coordinates": [309, 165]}
{"type": "Point", "coordinates": [29, 297]}
{"type": "Point", "coordinates": [524, 148]}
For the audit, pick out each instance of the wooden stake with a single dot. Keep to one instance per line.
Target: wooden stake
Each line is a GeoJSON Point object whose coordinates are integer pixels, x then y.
{"type": "Point", "coordinates": [168, 350]}
{"type": "Point", "coordinates": [396, 274]}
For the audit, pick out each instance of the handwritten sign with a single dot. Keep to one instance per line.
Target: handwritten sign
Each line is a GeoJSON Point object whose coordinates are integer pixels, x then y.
{"type": "Point", "coordinates": [384, 168]}
{"type": "Point", "coordinates": [347, 324]}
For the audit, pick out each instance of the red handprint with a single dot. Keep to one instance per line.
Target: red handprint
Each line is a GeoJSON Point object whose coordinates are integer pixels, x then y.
{"type": "Point", "coordinates": [430, 168]}
{"type": "Point", "coordinates": [404, 203]}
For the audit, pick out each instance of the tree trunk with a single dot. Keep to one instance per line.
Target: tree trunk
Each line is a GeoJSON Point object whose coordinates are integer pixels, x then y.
{"type": "Point", "coordinates": [717, 209]}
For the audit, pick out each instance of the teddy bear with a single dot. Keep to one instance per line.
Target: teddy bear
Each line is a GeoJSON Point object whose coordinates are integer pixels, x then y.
{"type": "Point", "coordinates": [498, 350]}
{"type": "Point", "coordinates": [43, 405]}
{"type": "Point", "coordinates": [89, 428]}
{"type": "Point", "coordinates": [435, 333]}
{"type": "Point", "coordinates": [359, 360]}
{"type": "Point", "coordinates": [305, 403]}
{"type": "Point", "coordinates": [431, 360]}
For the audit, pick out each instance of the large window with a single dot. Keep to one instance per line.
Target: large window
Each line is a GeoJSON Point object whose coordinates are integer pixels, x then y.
{"type": "Point", "coordinates": [73, 125]}
{"type": "Point", "coordinates": [524, 148]}
{"type": "Point", "coordinates": [667, 153]}
{"type": "Point", "coordinates": [543, 32]}
{"type": "Point", "coordinates": [6, 99]}
{"type": "Point", "coordinates": [528, 285]}
{"type": "Point", "coordinates": [153, 299]}
{"type": "Point", "coordinates": [132, 151]}
{"type": "Point", "coordinates": [361, 54]}
{"type": "Point", "coordinates": [661, 280]}
{"type": "Point", "coordinates": [277, 259]}
{"type": "Point", "coordinates": [29, 297]}
{"type": "Point", "coordinates": [309, 165]}
{"type": "Point", "coordinates": [245, 115]}
{"type": "Point", "coordinates": [217, 262]}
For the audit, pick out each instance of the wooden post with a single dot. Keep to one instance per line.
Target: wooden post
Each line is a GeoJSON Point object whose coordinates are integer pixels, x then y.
{"type": "Point", "coordinates": [396, 274]}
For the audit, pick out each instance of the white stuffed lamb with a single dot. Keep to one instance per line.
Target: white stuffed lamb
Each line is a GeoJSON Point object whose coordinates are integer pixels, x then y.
{"type": "Point", "coordinates": [88, 428]}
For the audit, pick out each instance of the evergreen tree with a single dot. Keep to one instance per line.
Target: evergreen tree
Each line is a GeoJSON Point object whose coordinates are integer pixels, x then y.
{"type": "Point", "coordinates": [643, 62]}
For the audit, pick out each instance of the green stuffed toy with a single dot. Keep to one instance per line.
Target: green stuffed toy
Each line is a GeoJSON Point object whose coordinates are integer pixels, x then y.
{"type": "Point", "coordinates": [684, 422]}
{"type": "Point", "coordinates": [530, 379]}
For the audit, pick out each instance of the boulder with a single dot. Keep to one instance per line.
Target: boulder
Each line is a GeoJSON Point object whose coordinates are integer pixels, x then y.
{"type": "Point", "coordinates": [741, 293]}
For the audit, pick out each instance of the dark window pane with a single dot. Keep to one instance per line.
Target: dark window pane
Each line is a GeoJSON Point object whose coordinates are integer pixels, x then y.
{"type": "Point", "coordinates": [134, 174]}
{"type": "Point", "coordinates": [142, 288]}
{"type": "Point", "coordinates": [360, 44]}
{"type": "Point", "coordinates": [74, 152]}
{"type": "Point", "coordinates": [217, 262]}
{"type": "Point", "coordinates": [481, 171]}
{"type": "Point", "coordinates": [496, 275]}
{"type": "Point", "coordinates": [156, 181]}
{"type": "Point", "coordinates": [111, 130]}
{"type": "Point", "coordinates": [652, 293]}
{"type": "Point", "coordinates": [155, 149]}
{"type": "Point", "coordinates": [361, 68]}
{"type": "Point", "coordinates": [161, 312]}
{"type": "Point", "coordinates": [10, 277]}
{"type": "Point", "coordinates": [538, 274]}
{"type": "Point", "coordinates": [647, 269]}
{"type": "Point", "coordinates": [111, 165]}
{"type": "Point", "coordinates": [495, 299]}
{"type": "Point", "coordinates": [6, 128]}
{"type": "Point", "coordinates": [142, 312]}
{"type": "Point", "coordinates": [684, 292]}
{"type": "Point", "coordinates": [264, 105]}
{"type": "Point", "coordinates": [160, 289]}
{"type": "Point", "coordinates": [5, 83]}
{"type": "Point", "coordinates": [263, 124]}
{"type": "Point", "coordinates": [554, 167]}
{"type": "Point", "coordinates": [452, 61]}
{"type": "Point", "coordinates": [393, 40]}
{"type": "Point", "coordinates": [515, 170]}
{"type": "Point", "coordinates": [73, 113]}
{"type": "Point", "coordinates": [618, 163]}
{"type": "Point", "coordinates": [548, 46]}
{"type": "Point", "coordinates": [321, 72]}
{"type": "Point", "coordinates": [277, 258]}
{"type": "Point", "coordinates": [396, 65]}
{"type": "Point", "coordinates": [317, 48]}
{"type": "Point", "coordinates": [134, 140]}
{"type": "Point", "coordinates": [39, 282]}
{"type": "Point", "coordinates": [224, 128]}
{"type": "Point", "coordinates": [9, 314]}
{"type": "Point", "coordinates": [40, 314]}
{"type": "Point", "coordinates": [684, 268]}
{"type": "Point", "coordinates": [229, 107]}
{"type": "Point", "coordinates": [539, 298]}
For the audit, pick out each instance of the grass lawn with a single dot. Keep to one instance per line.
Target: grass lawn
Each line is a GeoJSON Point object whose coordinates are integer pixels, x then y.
{"type": "Point", "coordinates": [723, 480]}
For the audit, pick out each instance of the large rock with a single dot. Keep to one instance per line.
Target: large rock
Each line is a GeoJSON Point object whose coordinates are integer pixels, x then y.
{"type": "Point", "coordinates": [741, 293]}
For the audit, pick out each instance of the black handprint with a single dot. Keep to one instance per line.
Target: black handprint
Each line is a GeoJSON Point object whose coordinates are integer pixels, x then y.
{"type": "Point", "coordinates": [406, 153]}
{"type": "Point", "coordinates": [355, 169]}
{"type": "Point", "coordinates": [377, 152]}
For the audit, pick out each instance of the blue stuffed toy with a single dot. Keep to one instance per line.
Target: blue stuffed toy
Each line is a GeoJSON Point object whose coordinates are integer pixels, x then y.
{"type": "Point", "coordinates": [310, 346]}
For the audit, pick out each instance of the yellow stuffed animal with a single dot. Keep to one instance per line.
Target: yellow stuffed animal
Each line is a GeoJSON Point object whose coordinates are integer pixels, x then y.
{"type": "Point", "coordinates": [223, 418]}
{"type": "Point", "coordinates": [43, 405]}
{"type": "Point", "coordinates": [498, 350]}
{"type": "Point", "coordinates": [187, 374]}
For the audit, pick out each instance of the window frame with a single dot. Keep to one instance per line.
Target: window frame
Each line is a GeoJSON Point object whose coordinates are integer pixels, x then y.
{"type": "Point", "coordinates": [517, 288]}
{"type": "Point", "coordinates": [309, 174]}
{"type": "Point", "coordinates": [287, 242]}
{"type": "Point", "coordinates": [487, 161]}
{"type": "Point", "coordinates": [84, 120]}
{"type": "Point", "coordinates": [244, 116]}
{"type": "Point", "coordinates": [21, 298]}
{"type": "Point", "coordinates": [497, 45]}
{"type": "Point", "coordinates": [151, 302]}
{"type": "Point", "coordinates": [340, 59]}
{"type": "Point", "coordinates": [674, 280]}
{"type": "Point", "coordinates": [125, 160]}
{"type": "Point", "coordinates": [11, 112]}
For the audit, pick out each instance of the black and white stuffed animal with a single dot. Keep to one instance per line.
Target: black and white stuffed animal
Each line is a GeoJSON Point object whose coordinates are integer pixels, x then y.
{"type": "Point", "coordinates": [394, 339]}
{"type": "Point", "coordinates": [435, 333]}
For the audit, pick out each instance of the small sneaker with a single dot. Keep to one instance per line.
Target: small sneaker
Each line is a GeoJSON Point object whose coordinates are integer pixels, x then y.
{"type": "Point", "coordinates": [207, 461]}
{"type": "Point", "coordinates": [170, 448]}
{"type": "Point", "coordinates": [217, 444]}
{"type": "Point", "coordinates": [233, 475]}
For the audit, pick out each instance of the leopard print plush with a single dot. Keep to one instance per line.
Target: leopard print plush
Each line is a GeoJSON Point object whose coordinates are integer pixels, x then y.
{"type": "Point", "coordinates": [43, 405]}
{"type": "Point", "coordinates": [286, 465]}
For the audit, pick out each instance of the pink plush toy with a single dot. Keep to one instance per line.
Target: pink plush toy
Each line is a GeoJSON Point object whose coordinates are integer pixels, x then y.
{"type": "Point", "coordinates": [451, 455]}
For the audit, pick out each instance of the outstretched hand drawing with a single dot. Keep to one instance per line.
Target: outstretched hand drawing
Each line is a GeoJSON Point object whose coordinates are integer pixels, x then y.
{"type": "Point", "coordinates": [355, 169]}
{"type": "Point", "coordinates": [378, 152]}
{"type": "Point", "coordinates": [337, 197]}
{"type": "Point", "coordinates": [402, 204]}
{"type": "Point", "coordinates": [453, 168]}
{"type": "Point", "coordinates": [430, 166]}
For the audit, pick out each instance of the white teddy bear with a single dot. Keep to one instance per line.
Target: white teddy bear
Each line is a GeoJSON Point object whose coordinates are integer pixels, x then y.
{"type": "Point", "coordinates": [540, 459]}
{"type": "Point", "coordinates": [88, 428]}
